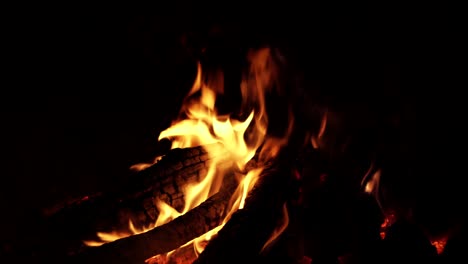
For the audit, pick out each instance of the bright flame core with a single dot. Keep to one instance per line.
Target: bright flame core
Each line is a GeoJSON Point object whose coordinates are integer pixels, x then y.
{"type": "Point", "coordinates": [201, 125]}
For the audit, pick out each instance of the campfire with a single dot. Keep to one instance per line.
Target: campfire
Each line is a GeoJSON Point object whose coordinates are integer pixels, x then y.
{"type": "Point", "coordinates": [210, 178]}
{"type": "Point", "coordinates": [269, 177]}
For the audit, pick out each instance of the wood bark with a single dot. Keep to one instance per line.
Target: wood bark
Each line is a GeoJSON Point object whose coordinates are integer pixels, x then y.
{"type": "Point", "coordinates": [165, 238]}
{"type": "Point", "coordinates": [244, 235]}
{"type": "Point", "coordinates": [135, 200]}
{"type": "Point", "coordinates": [182, 255]}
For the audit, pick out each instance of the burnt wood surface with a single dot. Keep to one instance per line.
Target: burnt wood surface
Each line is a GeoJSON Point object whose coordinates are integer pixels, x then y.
{"type": "Point", "coordinates": [246, 232]}
{"type": "Point", "coordinates": [182, 255]}
{"type": "Point", "coordinates": [66, 227]}
{"type": "Point", "coordinates": [347, 50]}
{"type": "Point", "coordinates": [165, 238]}
{"type": "Point", "coordinates": [163, 180]}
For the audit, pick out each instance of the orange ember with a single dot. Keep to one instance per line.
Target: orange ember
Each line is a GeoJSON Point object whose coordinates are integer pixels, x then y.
{"type": "Point", "coordinates": [439, 244]}
{"type": "Point", "coordinates": [388, 221]}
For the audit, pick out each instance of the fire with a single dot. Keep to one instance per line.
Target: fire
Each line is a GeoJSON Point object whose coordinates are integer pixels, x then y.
{"type": "Point", "coordinates": [142, 166]}
{"type": "Point", "coordinates": [388, 221]}
{"type": "Point", "coordinates": [373, 184]}
{"type": "Point", "coordinates": [439, 244]}
{"type": "Point", "coordinates": [316, 140]}
{"type": "Point", "coordinates": [279, 229]}
{"type": "Point", "coordinates": [201, 125]}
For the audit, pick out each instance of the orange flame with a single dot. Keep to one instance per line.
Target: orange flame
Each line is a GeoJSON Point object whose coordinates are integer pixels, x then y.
{"type": "Point", "coordinates": [279, 229]}
{"type": "Point", "coordinates": [372, 184]}
{"type": "Point", "coordinates": [316, 140]}
{"type": "Point", "coordinates": [201, 125]}
{"type": "Point", "coordinates": [142, 166]}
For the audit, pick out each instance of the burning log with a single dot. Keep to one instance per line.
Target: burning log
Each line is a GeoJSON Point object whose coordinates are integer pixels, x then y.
{"type": "Point", "coordinates": [245, 235]}
{"type": "Point", "coordinates": [165, 238]}
{"type": "Point", "coordinates": [164, 181]}
{"type": "Point", "coordinates": [183, 255]}
{"type": "Point", "coordinates": [241, 139]}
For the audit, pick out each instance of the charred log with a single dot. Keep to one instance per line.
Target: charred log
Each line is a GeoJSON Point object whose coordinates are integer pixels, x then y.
{"type": "Point", "coordinates": [135, 200]}
{"type": "Point", "coordinates": [245, 234]}
{"type": "Point", "coordinates": [165, 238]}
{"type": "Point", "coordinates": [183, 255]}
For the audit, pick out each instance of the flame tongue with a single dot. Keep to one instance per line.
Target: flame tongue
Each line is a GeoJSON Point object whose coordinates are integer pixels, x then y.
{"type": "Point", "coordinates": [200, 125]}
{"type": "Point", "coordinates": [241, 138]}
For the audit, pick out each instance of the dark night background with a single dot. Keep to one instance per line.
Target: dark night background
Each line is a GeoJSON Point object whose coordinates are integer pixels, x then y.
{"type": "Point", "coordinates": [87, 91]}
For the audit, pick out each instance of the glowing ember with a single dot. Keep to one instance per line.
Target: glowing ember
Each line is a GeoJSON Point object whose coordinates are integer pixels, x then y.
{"type": "Point", "coordinates": [439, 244]}
{"type": "Point", "coordinates": [388, 221]}
{"type": "Point", "coordinates": [201, 125]}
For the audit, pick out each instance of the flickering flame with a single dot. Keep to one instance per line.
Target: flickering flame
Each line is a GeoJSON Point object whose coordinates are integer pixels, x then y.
{"type": "Point", "coordinates": [112, 236]}
{"type": "Point", "coordinates": [316, 140]}
{"type": "Point", "coordinates": [142, 166]}
{"type": "Point", "coordinates": [373, 183]}
{"type": "Point", "coordinates": [279, 229]}
{"type": "Point", "coordinates": [201, 125]}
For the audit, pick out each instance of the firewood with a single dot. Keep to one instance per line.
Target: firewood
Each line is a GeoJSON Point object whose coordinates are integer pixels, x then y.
{"type": "Point", "coordinates": [244, 235]}
{"type": "Point", "coordinates": [165, 238]}
{"type": "Point", "coordinates": [135, 200]}
{"type": "Point", "coordinates": [183, 255]}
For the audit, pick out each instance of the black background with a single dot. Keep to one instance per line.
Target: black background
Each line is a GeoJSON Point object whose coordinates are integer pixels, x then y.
{"type": "Point", "coordinates": [87, 89]}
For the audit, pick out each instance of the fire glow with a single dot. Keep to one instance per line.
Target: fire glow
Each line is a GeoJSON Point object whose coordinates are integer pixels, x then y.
{"type": "Point", "coordinates": [201, 125]}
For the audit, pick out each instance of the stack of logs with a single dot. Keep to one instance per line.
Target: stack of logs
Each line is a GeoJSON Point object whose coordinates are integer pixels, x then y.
{"type": "Point", "coordinates": [330, 222]}
{"type": "Point", "coordinates": [246, 231]}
